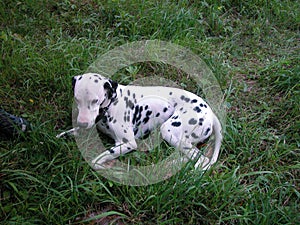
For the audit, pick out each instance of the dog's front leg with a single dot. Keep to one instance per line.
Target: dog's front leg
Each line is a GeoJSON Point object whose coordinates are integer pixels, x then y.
{"type": "Point", "coordinates": [108, 155]}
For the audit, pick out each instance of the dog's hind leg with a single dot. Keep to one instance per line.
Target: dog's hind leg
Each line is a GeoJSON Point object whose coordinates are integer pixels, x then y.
{"type": "Point", "coordinates": [173, 133]}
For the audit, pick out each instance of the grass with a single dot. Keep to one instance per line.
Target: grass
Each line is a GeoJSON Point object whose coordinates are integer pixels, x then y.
{"type": "Point", "coordinates": [252, 48]}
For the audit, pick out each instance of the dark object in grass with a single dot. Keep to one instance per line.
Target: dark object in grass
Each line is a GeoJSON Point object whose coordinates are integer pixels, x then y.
{"type": "Point", "coordinates": [12, 126]}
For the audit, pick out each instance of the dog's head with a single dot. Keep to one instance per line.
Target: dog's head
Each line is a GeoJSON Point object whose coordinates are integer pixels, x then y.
{"type": "Point", "coordinates": [92, 92]}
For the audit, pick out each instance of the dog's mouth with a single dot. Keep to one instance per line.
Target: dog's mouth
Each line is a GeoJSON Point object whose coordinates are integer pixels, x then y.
{"type": "Point", "coordinates": [101, 104]}
{"type": "Point", "coordinates": [98, 118]}
{"type": "Point", "coordinates": [83, 125]}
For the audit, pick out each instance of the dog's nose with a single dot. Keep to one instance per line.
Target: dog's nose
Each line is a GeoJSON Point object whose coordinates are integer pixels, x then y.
{"type": "Point", "coordinates": [82, 125]}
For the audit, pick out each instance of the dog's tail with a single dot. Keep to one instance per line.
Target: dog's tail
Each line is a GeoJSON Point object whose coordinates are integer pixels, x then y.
{"type": "Point", "coordinates": [211, 156]}
{"type": "Point", "coordinates": [218, 139]}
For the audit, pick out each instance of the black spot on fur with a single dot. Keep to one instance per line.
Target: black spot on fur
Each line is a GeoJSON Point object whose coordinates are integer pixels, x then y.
{"type": "Point", "coordinates": [194, 135]}
{"type": "Point", "coordinates": [111, 151]}
{"type": "Point", "coordinates": [135, 130]}
{"type": "Point", "coordinates": [96, 81]}
{"type": "Point", "coordinates": [129, 103]}
{"type": "Point", "coordinates": [124, 140]}
{"type": "Point", "coordinates": [194, 101]}
{"type": "Point", "coordinates": [197, 109]}
{"type": "Point", "coordinates": [157, 114]}
{"type": "Point", "coordinates": [206, 132]}
{"type": "Point", "coordinates": [104, 119]}
{"type": "Point", "coordinates": [176, 124]}
{"type": "Point", "coordinates": [146, 134]}
{"type": "Point", "coordinates": [146, 119]}
{"type": "Point", "coordinates": [116, 102]}
{"type": "Point", "coordinates": [183, 98]}
{"type": "Point", "coordinates": [136, 110]}
{"type": "Point", "coordinates": [137, 114]}
{"type": "Point", "coordinates": [174, 117]}
{"type": "Point", "coordinates": [200, 121]}
{"type": "Point", "coordinates": [165, 109]}
{"type": "Point", "coordinates": [170, 93]}
{"type": "Point", "coordinates": [192, 121]}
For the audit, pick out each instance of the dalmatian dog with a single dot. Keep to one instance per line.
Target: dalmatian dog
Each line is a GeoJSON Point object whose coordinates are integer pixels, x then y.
{"type": "Point", "coordinates": [127, 113]}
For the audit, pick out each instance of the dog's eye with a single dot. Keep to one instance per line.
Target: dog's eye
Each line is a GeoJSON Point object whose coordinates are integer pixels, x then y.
{"type": "Point", "coordinates": [95, 101]}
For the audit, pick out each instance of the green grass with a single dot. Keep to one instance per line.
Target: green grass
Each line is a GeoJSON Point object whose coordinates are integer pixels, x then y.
{"type": "Point", "coordinates": [252, 48]}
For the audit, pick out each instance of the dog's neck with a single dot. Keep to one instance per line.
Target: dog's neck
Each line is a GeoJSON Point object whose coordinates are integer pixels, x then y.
{"type": "Point", "coordinates": [107, 103]}
{"type": "Point", "coordinates": [104, 108]}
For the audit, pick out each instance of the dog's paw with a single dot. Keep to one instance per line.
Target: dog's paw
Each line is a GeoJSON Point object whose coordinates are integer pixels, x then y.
{"type": "Point", "coordinates": [103, 161]}
{"type": "Point", "coordinates": [96, 165]}
{"type": "Point", "coordinates": [203, 163]}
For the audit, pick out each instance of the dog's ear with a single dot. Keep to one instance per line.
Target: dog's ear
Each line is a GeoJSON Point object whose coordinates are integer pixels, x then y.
{"type": "Point", "coordinates": [110, 87]}
{"type": "Point", "coordinates": [73, 82]}
{"type": "Point", "coordinates": [113, 84]}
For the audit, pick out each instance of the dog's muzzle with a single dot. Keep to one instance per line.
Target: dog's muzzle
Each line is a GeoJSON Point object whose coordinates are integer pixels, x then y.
{"type": "Point", "coordinates": [83, 125]}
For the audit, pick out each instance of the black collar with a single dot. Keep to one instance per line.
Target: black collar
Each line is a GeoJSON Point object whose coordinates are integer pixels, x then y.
{"type": "Point", "coordinates": [103, 110]}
